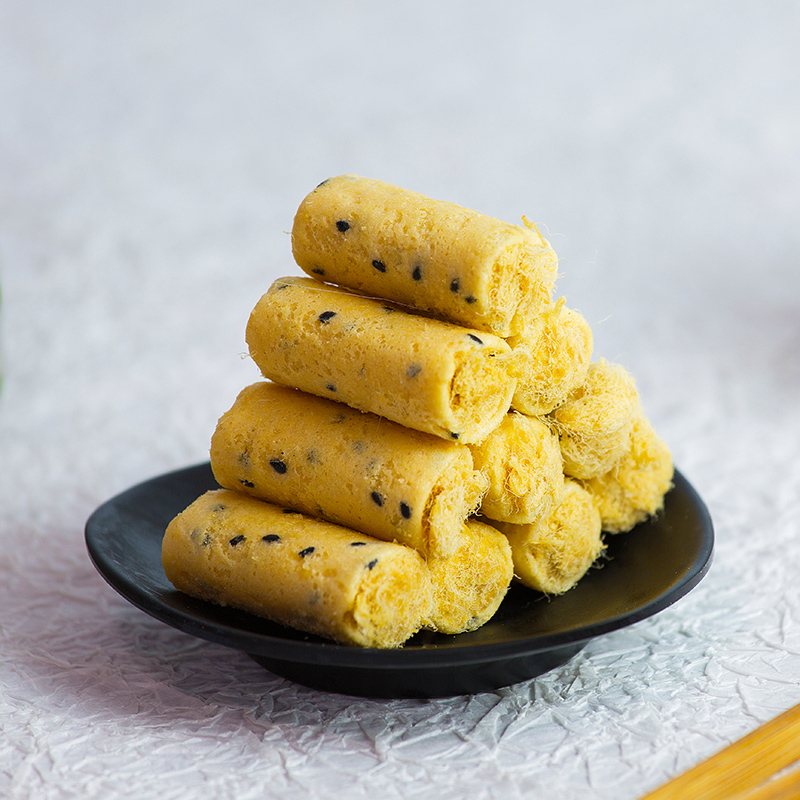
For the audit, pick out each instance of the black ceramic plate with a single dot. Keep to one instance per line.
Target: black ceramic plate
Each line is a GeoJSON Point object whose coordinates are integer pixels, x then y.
{"type": "Point", "coordinates": [645, 570]}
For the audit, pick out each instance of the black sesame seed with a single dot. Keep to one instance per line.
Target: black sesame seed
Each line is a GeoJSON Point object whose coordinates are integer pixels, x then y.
{"type": "Point", "coordinates": [417, 274]}
{"type": "Point", "coordinates": [372, 563]}
{"type": "Point", "coordinates": [405, 510]}
{"type": "Point", "coordinates": [376, 498]}
{"type": "Point", "coordinates": [343, 225]}
{"type": "Point", "coordinates": [330, 387]}
{"type": "Point", "coordinates": [454, 285]}
{"type": "Point", "coordinates": [379, 265]}
{"type": "Point", "coordinates": [248, 484]}
{"type": "Point", "coordinates": [306, 552]}
{"type": "Point", "coordinates": [326, 316]}
{"type": "Point", "coordinates": [196, 534]}
{"type": "Point", "coordinates": [237, 540]}
{"type": "Point", "coordinates": [413, 370]}
{"type": "Point", "coordinates": [318, 271]}
{"type": "Point", "coordinates": [475, 338]}
{"type": "Point", "coordinates": [271, 537]}
{"type": "Point", "coordinates": [358, 544]}
{"type": "Point", "coordinates": [389, 308]}
{"type": "Point", "coordinates": [323, 182]}
{"type": "Point", "coordinates": [279, 466]}
{"type": "Point", "coordinates": [471, 299]}
{"type": "Point", "coordinates": [454, 435]}
{"type": "Point", "coordinates": [291, 511]}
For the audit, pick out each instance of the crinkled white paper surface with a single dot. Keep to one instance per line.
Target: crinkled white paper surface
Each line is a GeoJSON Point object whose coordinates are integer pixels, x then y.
{"type": "Point", "coordinates": [151, 159]}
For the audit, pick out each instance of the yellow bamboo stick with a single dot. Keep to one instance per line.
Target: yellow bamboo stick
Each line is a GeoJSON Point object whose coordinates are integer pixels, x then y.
{"type": "Point", "coordinates": [786, 787]}
{"type": "Point", "coordinates": [741, 766]}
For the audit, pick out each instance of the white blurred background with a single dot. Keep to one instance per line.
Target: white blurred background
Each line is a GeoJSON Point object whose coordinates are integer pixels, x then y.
{"type": "Point", "coordinates": [152, 155]}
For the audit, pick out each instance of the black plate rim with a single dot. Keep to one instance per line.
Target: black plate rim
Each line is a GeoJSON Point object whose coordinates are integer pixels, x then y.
{"type": "Point", "coordinates": [331, 654]}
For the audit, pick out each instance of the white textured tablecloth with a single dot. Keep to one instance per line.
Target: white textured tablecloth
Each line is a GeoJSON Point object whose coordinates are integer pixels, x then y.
{"type": "Point", "coordinates": [152, 155]}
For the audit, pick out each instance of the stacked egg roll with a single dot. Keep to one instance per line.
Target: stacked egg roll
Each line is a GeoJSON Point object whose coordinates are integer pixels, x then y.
{"type": "Point", "coordinates": [429, 426]}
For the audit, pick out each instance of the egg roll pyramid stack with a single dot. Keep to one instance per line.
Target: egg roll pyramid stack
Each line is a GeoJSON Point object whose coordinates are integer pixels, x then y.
{"type": "Point", "coordinates": [431, 426]}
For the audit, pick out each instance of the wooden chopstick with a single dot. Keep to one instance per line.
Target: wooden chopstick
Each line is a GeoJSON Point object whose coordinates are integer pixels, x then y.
{"type": "Point", "coordinates": [786, 787]}
{"type": "Point", "coordinates": [743, 766]}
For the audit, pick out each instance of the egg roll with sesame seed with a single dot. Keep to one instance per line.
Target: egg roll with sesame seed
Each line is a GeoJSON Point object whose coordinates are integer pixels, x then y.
{"type": "Point", "coordinates": [634, 489]}
{"type": "Point", "coordinates": [353, 468]}
{"type": "Point", "coordinates": [235, 550]}
{"type": "Point", "coordinates": [553, 554]}
{"type": "Point", "coordinates": [595, 423]}
{"type": "Point", "coordinates": [555, 356]}
{"type": "Point", "coordinates": [522, 460]}
{"type": "Point", "coordinates": [469, 586]}
{"type": "Point", "coordinates": [422, 373]}
{"type": "Point", "coordinates": [455, 263]}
